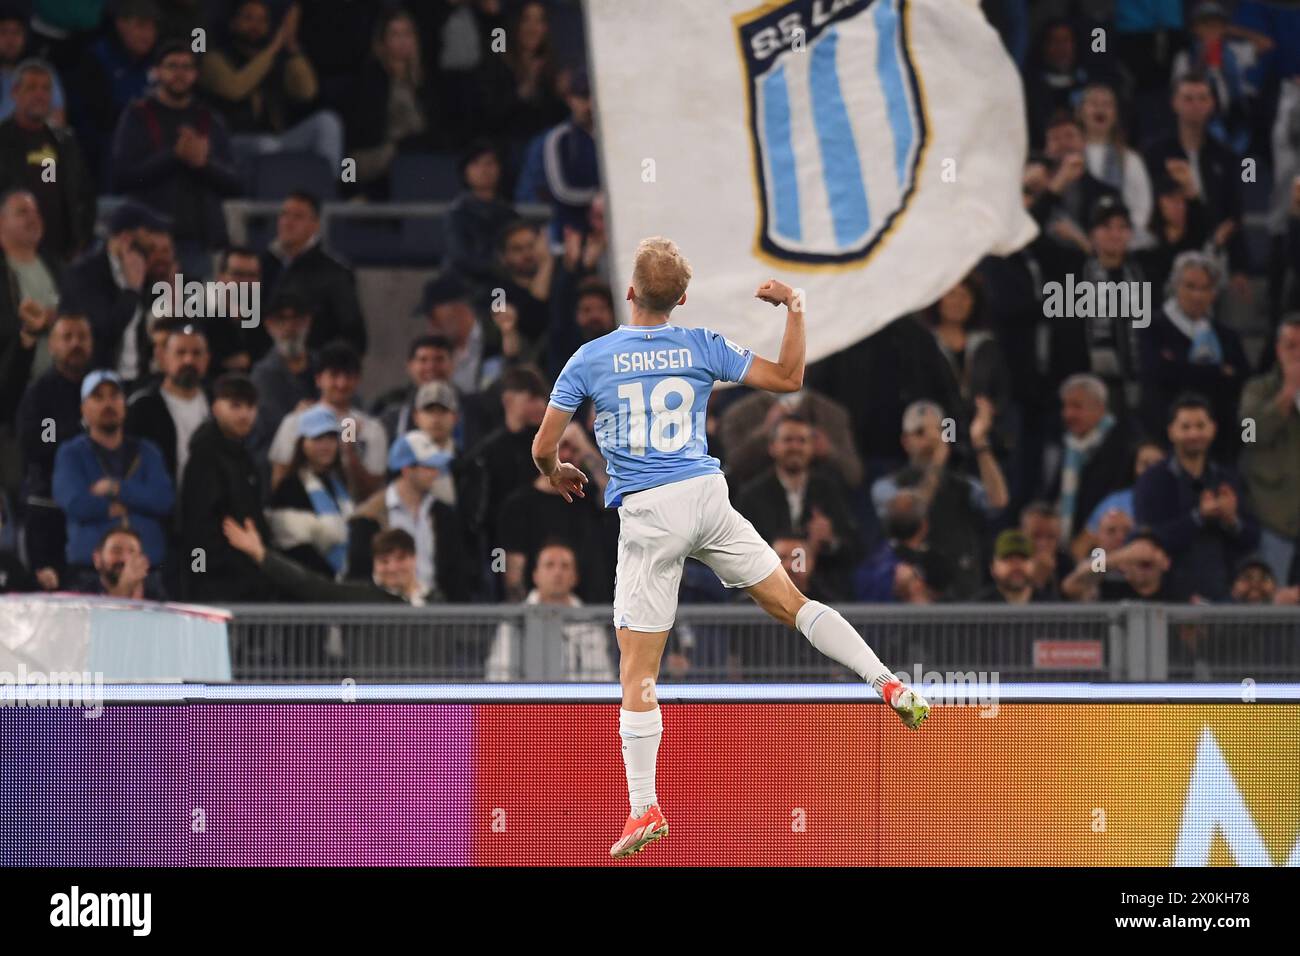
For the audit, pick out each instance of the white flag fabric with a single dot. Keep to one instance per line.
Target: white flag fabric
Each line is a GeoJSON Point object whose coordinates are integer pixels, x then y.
{"type": "Point", "coordinates": [868, 152]}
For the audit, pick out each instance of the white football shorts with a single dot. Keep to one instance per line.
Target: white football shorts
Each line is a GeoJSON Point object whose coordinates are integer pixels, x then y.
{"type": "Point", "coordinates": [661, 527]}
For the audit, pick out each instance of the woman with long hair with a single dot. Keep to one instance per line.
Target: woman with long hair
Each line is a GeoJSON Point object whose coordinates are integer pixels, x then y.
{"type": "Point", "coordinates": [392, 106]}
{"type": "Point", "coordinates": [1109, 158]}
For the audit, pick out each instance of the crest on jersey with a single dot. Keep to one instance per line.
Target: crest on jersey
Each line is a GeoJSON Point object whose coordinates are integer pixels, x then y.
{"type": "Point", "coordinates": [836, 124]}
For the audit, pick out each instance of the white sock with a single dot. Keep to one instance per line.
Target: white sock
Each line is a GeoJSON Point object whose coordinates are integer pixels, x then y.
{"type": "Point", "coordinates": [641, 731]}
{"type": "Point", "coordinates": [835, 637]}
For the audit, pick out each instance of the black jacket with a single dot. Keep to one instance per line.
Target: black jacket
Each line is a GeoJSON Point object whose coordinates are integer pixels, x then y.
{"type": "Point", "coordinates": [293, 580]}
{"type": "Point", "coordinates": [75, 207]}
{"type": "Point", "coordinates": [88, 287]}
{"type": "Point", "coordinates": [50, 396]}
{"type": "Point", "coordinates": [221, 480]}
{"type": "Point", "coordinates": [145, 167]}
{"type": "Point", "coordinates": [328, 284]}
{"type": "Point", "coordinates": [147, 416]}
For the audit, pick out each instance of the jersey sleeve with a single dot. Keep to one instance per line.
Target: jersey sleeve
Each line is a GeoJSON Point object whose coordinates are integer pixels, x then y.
{"type": "Point", "coordinates": [728, 361]}
{"type": "Point", "coordinates": [571, 389]}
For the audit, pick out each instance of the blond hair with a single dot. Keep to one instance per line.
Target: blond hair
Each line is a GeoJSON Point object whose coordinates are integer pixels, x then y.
{"type": "Point", "coordinates": [660, 276]}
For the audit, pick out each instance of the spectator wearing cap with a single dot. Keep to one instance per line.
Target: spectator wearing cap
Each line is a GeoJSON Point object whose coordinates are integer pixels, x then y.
{"type": "Point", "coordinates": [285, 376]}
{"type": "Point", "coordinates": [586, 644]}
{"type": "Point", "coordinates": [107, 284]}
{"type": "Point", "coordinates": [263, 83]}
{"type": "Point", "coordinates": [29, 280]}
{"type": "Point", "coordinates": [113, 74]}
{"type": "Point", "coordinates": [1187, 349]}
{"type": "Point", "coordinates": [297, 259]}
{"type": "Point", "coordinates": [1009, 569]}
{"type": "Point", "coordinates": [428, 359]}
{"type": "Point", "coordinates": [121, 569]}
{"type": "Point", "coordinates": [1105, 345]}
{"type": "Point", "coordinates": [48, 416]}
{"type": "Point", "coordinates": [1196, 506]}
{"type": "Point", "coordinates": [1096, 453]}
{"type": "Point", "coordinates": [436, 406]}
{"type": "Point", "coordinates": [1270, 464]}
{"type": "Point", "coordinates": [535, 514]}
{"type": "Point", "coordinates": [904, 569]}
{"type": "Point", "coordinates": [309, 509]}
{"type": "Point", "coordinates": [222, 480]}
{"type": "Point", "coordinates": [477, 216]}
{"type": "Point", "coordinates": [393, 579]}
{"type": "Point", "coordinates": [365, 444]}
{"type": "Point", "coordinates": [105, 478]}
{"type": "Point", "coordinates": [448, 305]}
{"type": "Point", "coordinates": [560, 166]}
{"type": "Point", "coordinates": [31, 148]}
{"type": "Point", "coordinates": [958, 507]}
{"type": "Point", "coordinates": [503, 461]}
{"type": "Point", "coordinates": [172, 152]}
{"type": "Point", "coordinates": [169, 412]}
{"type": "Point", "coordinates": [446, 564]}
{"type": "Point", "coordinates": [1207, 169]}
{"type": "Point", "coordinates": [1109, 158]}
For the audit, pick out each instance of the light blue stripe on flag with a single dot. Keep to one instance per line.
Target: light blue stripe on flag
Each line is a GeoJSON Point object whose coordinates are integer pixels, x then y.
{"type": "Point", "coordinates": [890, 72]}
{"type": "Point", "coordinates": [783, 187]}
{"type": "Point", "coordinates": [840, 168]}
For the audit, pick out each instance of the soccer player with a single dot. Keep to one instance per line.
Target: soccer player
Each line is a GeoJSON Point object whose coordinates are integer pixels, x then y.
{"type": "Point", "coordinates": [650, 382]}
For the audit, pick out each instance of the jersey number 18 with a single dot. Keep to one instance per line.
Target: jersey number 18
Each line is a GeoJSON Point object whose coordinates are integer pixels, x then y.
{"type": "Point", "coordinates": [670, 428]}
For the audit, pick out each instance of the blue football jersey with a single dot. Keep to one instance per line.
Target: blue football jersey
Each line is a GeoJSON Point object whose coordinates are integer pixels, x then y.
{"type": "Point", "coordinates": [651, 387]}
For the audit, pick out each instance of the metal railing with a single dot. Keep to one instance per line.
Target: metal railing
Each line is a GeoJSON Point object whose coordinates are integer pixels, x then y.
{"type": "Point", "coordinates": [738, 643]}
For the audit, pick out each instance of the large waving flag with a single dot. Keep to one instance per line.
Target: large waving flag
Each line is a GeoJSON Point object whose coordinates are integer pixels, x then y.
{"type": "Point", "coordinates": [867, 151]}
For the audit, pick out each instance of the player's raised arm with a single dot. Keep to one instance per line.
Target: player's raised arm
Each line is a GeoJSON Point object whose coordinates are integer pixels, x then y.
{"type": "Point", "coordinates": [565, 478]}
{"type": "Point", "coordinates": [786, 373]}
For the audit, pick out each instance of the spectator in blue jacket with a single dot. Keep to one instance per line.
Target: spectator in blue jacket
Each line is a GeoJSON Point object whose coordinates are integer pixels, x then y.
{"type": "Point", "coordinates": [1196, 507]}
{"type": "Point", "coordinates": [104, 478]}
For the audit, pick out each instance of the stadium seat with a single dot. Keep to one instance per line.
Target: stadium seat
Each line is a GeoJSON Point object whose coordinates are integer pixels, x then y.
{"type": "Point", "coordinates": [425, 177]}
{"type": "Point", "coordinates": [275, 175]}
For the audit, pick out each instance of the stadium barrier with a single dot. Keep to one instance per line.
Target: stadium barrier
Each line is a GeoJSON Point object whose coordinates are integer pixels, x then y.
{"type": "Point", "coordinates": [761, 774]}
{"type": "Point", "coordinates": [739, 643]}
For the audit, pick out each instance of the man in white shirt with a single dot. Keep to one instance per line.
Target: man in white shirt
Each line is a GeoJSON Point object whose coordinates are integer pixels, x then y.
{"type": "Point", "coordinates": [586, 643]}
{"type": "Point", "coordinates": [365, 443]}
{"type": "Point", "coordinates": [170, 412]}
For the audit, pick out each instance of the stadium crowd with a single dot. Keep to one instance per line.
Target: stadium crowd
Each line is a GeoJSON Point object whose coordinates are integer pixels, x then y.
{"type": "Point", "coordinates": [982, 450]}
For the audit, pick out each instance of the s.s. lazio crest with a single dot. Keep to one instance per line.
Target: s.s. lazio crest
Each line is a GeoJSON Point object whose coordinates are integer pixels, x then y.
{"type": "Point", "coordinates": [836, 122]}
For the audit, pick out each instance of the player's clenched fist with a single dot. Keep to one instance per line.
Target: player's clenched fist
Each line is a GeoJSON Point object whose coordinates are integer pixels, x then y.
{"type": "Point", "coordinates": [568, 480]}
{"type": "Point", "coordinates": [775, 292]}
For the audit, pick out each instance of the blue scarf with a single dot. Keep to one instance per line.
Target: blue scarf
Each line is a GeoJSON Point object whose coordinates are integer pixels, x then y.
{"type": "Point", "coordinates": [325, 503]}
